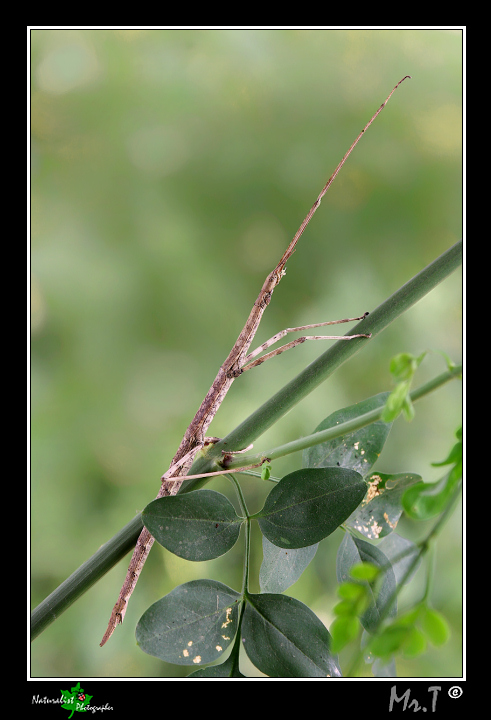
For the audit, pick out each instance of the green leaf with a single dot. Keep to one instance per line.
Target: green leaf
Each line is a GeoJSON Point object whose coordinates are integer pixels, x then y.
{"type": "Point", "coordinates": [389, 641]}
{"type": "Point", "coordinates": [282, 567]}
{"type": "Point", "coordinates": [397, 401]}
{"type": "Point", "coordinates": [283, 638]}
{"type": "Point", "coordinates": [404, 365]}
{"type": "Point", "coordinates": [435, 627]}
{"type": "Point", "coordinates": [192, 625]}
{"type": "Point", "coordinates": [358, 450]}
{"type": "Point", "coordinates": [227, 669]}
{"type": "Point", "coordinates": [425, 500]}
{"type": "Point", "coordinates": [414, 643]}
{"type": "Point", "coordinates": [401, 554]}
{"type": "Point", "coordinates": [351, 591]}
{"type": "Point", "coordinates": [381, 592]}
{"type": "Point", "coordinates": [343, 630]}
{"type": "Point", "coordinates": [345, 607]}
{"type": "Point", "coordinates": [196, 526]}
{"type": "Point", "coordinates": [355, 599]}
{"type": "Point", "coordinates": [381, 509]}
{"type": "Point", "coordinates": [308, 505]}
{"type": "Point", "coordinates": [364, 571]}
{"type": "Point", "coordinates": [455, 454]}
{"type": "Point", "coordinates": [402, 368]}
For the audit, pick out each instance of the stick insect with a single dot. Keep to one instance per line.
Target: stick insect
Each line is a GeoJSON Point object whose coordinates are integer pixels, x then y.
{"type": "Point", "coordinates": [237, 362]}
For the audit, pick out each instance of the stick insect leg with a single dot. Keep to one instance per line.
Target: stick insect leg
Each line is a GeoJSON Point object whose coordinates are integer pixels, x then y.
{"type": "Point", "coordinates": [249, 365]}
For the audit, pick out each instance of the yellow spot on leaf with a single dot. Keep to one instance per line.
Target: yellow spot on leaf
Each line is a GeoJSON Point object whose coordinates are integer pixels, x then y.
{"type": "Point", "coordinates": [228, 619]}
{"type": "Point", "coordinates": [373, 490]}
{"type": "Point", "coordinates": [375, 530]}
{"type": "Point", "coordinates": [389, 523]}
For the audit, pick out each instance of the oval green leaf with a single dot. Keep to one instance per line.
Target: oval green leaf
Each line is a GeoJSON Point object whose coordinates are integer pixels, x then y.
{"type": "Point", "coordinates": [352, 551]}
{"type": "Point", "coordinates": [435, 627]}
{"type": "Point", "coordinates": [425, 500]}
{"type": "Point", "coordinates": [197, 526]}
{"type": "Point", "coordinates": [283, 638]}
{"type": "Point", "coordinates": [192, 625]}
{"type": "Point", "coordinates": [358, 450]}
{"type": "Point", "coordinates": [227, 669]}
{"type": "Point", "coordinates": [308, 505]}
{"type": "Point", "coordinates": [281, 567]}
{"type": "Point", "coordinates": [381, 509]}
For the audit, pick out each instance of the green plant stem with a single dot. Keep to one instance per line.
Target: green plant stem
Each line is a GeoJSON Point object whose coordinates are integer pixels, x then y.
{"type": "Point", "coordinates": [254, 426]}
{"type": "Point", "coordinates": [430, 574]}
{"type": "Point", "coordinates": [318, 371]}
{"type": "Point", "coordinates": [85, 576]}
{"type": "Point", "coordinates": [343, 428]}
{"type": "Point", "coordinates": [247, 530]}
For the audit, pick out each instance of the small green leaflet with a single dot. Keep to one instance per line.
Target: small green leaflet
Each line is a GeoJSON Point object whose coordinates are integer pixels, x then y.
{"type": "Point", "coordinates": [352, 551]}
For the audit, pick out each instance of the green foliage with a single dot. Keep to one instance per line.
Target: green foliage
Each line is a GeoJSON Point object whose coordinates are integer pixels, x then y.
{"type": "Point", "coordinates": [309, 504]}
{"type": "Point", "coordinates": [425, 500]}
{"type": "Point", "coordinates": [283, 638]}
{"type": "Point", "coordinates": [408, 634]}
{"type": "Point", "coordinates": [195, 526]}
{"type": "Point", "coordinates": [403, 368]}
{"type": "Point", "coordinates": [282, 567]}
{"type": "Point", "coordinates": [169, 167]}
{"type": "Point", "coordinates": [358, 450]}
{"type": "Point", "coordinates": [380, 592]}
{"type": "Point", "coordinates": [192, 625]}
{"type": "Point", "coordinates": [355, 601]}
{"type": "Point", "coordinates": [199, 621]}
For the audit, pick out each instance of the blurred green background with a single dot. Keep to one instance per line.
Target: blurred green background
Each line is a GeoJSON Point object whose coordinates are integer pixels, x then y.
{"type": "Point", "coordinates": [170, 169]}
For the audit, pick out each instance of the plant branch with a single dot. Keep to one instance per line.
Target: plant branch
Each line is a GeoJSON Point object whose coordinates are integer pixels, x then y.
{"type": "Point", "coordinates": [115, 549]}
{"type": "Point", "coordinates": [318, 371]}
{"type": "Point", "coordinates": [85, 576]}
{"type": "Point", "coordinates": [340, 430]}
{"type": "Point", "coordinates": [194, 437]}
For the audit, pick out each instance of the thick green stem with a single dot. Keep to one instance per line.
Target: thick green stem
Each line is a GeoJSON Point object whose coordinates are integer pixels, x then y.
{"type": "Point", "coordinates": [343, 428]}
{"type": "Point", "coordinates": [87, 574]}
{"type": "Point", "coordinates": [318, 371]}
{"type": "Point", "coordinates": [254, 426]}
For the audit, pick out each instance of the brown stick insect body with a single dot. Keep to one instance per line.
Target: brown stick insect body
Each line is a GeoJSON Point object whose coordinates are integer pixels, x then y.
{"type": "Point", "coordinates": [237, 362]}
